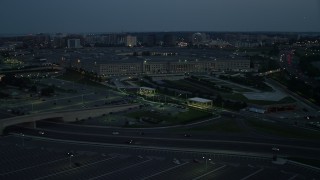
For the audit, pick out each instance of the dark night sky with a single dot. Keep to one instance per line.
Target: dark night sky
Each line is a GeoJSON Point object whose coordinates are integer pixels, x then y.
{"type": "Point", "coordinates": [33, 16]}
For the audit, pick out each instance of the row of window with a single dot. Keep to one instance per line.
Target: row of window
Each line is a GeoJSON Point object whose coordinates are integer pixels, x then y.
{"type": "Point", "coordinates": [147, 68]}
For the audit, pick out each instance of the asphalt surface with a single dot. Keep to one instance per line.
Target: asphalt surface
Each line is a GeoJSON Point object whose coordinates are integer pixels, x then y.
{"type": "Point", "coordinates": [33, 158]}
{"type": "Point", "coordinates": [174, 138]}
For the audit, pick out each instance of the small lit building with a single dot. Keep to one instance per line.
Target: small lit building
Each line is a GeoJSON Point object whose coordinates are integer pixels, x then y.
{"type": "Point", "coordinates": [199, 103]}
{"type": "Point", "coordinates": [146, 91]}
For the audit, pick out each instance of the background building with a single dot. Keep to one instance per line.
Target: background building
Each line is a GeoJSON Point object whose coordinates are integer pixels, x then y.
{"type": "Point", "coordinates": [74, 43]}
{"type": "Point", "coordinates": [173, 67]}
{"type": "Point", "coordinates": [130, 41]}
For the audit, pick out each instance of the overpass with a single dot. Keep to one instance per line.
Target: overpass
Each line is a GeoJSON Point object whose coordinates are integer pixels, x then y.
{"type": "Point", "coordinates": [68, 116]}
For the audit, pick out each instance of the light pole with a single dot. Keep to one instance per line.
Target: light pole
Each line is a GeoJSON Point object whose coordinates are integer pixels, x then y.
{"type": "Point", "coordinates": [275, 153]}
{"type": "Point", "coordinates": [22, 136]}
{"type": "Point", "coordinates": [70, 156]}
{"type": "Point", "coordinates": [82, 98]}
{"type": "Point", "coordinates": [206, 162]}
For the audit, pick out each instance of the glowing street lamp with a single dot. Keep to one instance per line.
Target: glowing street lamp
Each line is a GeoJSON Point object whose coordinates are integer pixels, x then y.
{"type": "Point", "coordinates": [206, 162]}
{"type": "Point", "coordinates": [70, 156]}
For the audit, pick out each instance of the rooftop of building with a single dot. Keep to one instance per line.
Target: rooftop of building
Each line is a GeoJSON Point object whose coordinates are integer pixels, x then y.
{"type": "Point", "coordinates": [200, 100]}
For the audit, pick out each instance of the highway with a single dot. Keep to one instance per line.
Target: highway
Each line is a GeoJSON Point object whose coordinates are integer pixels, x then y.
{"type": "Point", "coordinates": [175, 138]}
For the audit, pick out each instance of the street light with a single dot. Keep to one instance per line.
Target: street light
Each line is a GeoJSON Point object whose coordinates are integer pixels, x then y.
{"type": "Point", "coordinates": [22, 136]}
{"type": "Point", "coordinates": [206, 162]}
{"type": "Point", "coordinates": [82, 99]}
{"type": "Point", "coordinates": [275, 151]}
{"type": "Point", "coordinates": [70, 156]}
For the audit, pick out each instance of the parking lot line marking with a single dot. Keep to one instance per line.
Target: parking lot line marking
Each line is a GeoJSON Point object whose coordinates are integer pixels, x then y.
{"type": "Point", "coordinates": [33, 166]}
{"type": "Point", "coordinates": [68, 170]}
{"type": "Point", "coordinates": [148, 177]}
{"type": "Point", "coordinates": [128, 167]}
{"type": "Point", "coordinates": [253, 174]}
{"type": "Point", "coordinates": [217, 169]}
{"type": "Point", "coordinates": [293, 177]}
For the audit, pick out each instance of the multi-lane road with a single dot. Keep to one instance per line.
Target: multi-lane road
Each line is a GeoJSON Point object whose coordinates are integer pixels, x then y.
{"type": "Point", "coordinates": [177, 138]}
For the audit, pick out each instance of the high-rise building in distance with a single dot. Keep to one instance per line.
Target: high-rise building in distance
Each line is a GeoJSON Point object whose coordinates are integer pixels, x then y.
{"type": "Point", "coordinates": [74, 43]}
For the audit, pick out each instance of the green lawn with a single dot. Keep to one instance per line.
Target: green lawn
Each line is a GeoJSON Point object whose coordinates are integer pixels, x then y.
{"type": "Point", "coordinates": [180, 118]}
{"type": "Point", "coordinates": [189, 116]}
{"type": "Point", "coordinates": [226, 125]}
{"type": "Point", "coordinates": [282, 130]}
{"type": "Point", "coordinates": [77, 77]}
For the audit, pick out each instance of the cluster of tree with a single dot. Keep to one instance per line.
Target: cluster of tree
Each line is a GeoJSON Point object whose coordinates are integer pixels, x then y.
{"type": "Point", "coordinates": [185, 87]}
{"type": "Point", "coordinates": [93, 76]}
{"type": "Point", "coordinates": [143, 53]}
{"type": "Point", "coordinates": [148, 53]}
{"type": "Point", "coordinates": [47, 91]}
{"type": "Point", "coordinates": [10, 79]}
{"type": "Point", "coordinates": [217, 99]}
{"type": "Point", "coordinates": [224, 103]}
{"type": "Point", "coordinates": [85, 74]}
{"type": "Point", "coordinates": [274, 50]}
{"type": "Point", "coordinates": [250, 80]}
{"type": "Point", "coordinates": [209, 84]}
{"type": "Point", "coordinates": [266, 63]}
{"type": "Point", "coordinates": [306, 90]}
{"type": "Point", "coordinates": [4, 95]}
{"type": "Point", "coordinates": [108, 45]}
{"type": "Point", "coordinates": [311, 92]}
{"type": "Point", "coordinates": [307, 67]}
{"type": "Point", "coordinates": [5, 54]}
{"type": "Point", "coordinates": [23, 83]}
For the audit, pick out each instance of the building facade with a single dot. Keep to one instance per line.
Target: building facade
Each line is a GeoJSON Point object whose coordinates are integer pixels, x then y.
{"type": "Point", "coordinates": [130, 41]}
{"type": "Point", "coordinates": [74, 43]}
{"type": "Point", "coordinates": [173, 67]}
{"type": "Point", "coordinates": [113, 69]}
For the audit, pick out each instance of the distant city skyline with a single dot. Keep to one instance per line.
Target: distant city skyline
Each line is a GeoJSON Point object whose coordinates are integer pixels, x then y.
{"type": "Point", "coordinates": [80, 16]}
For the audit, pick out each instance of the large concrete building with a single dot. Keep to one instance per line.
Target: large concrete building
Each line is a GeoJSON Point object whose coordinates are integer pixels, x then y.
{"type": "Point", "coordinates": [112, 69]}
{"type": "Point", "coordinates": [172, 67]}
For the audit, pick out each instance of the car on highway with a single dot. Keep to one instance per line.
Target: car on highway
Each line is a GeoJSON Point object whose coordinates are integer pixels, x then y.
{"type": "Point", "coordinates": [115, 133]}
{"type": "Point", "coordinates": [187, 135]}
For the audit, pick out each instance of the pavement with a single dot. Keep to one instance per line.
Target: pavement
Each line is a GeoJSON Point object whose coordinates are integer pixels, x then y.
{"type": "Point", "coordinates": [35, 158]}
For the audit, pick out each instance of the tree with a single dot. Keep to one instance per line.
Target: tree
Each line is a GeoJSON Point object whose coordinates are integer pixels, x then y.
{"type": "Point", "coordinates": [34, 88]}
{"type": "Point", "coordinates": [48, 91]}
